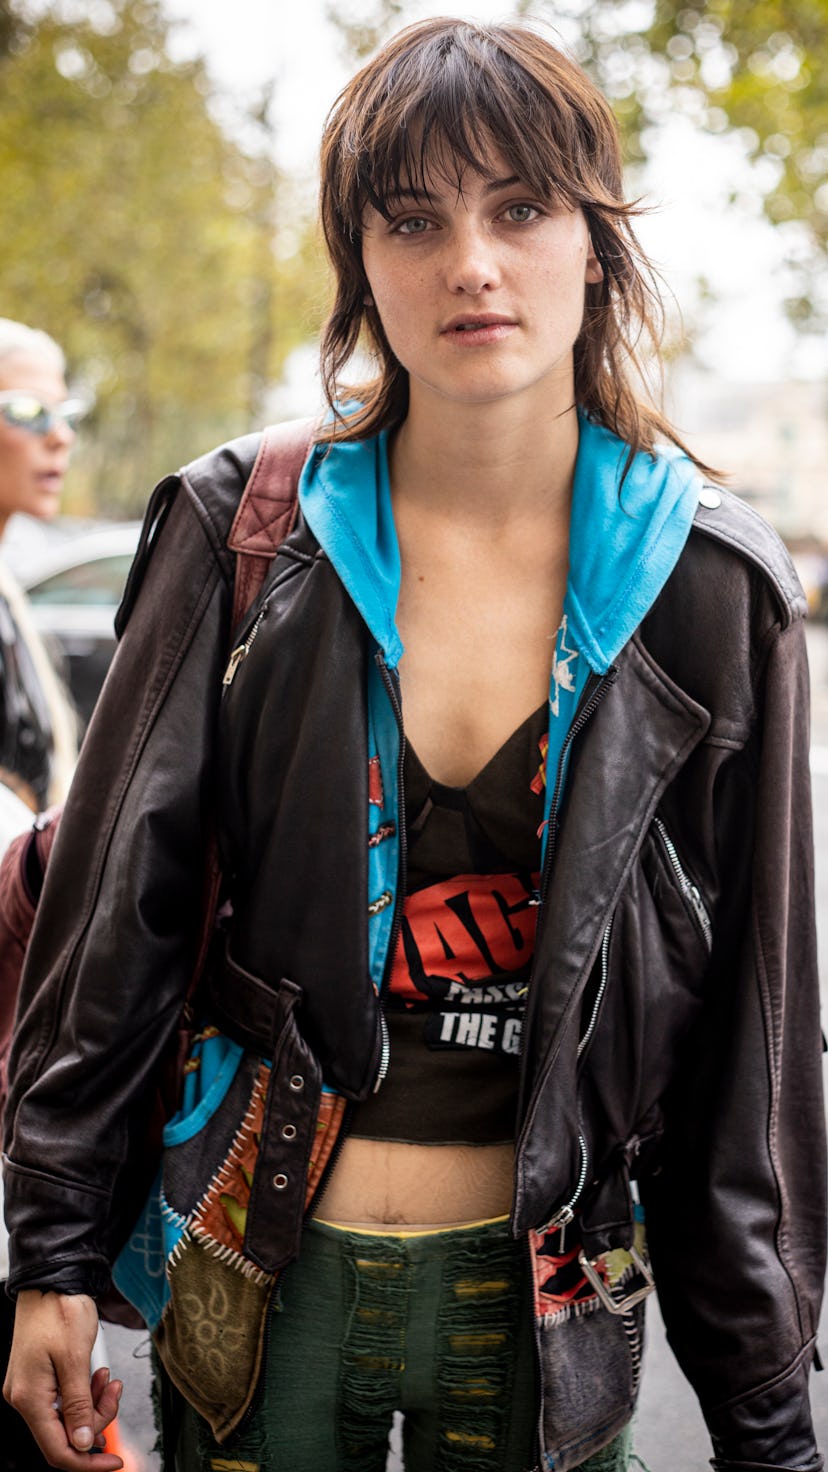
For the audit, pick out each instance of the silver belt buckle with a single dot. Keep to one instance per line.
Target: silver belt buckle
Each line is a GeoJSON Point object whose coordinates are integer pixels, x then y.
{"type": "Point", "coordinates": [619, 1305]}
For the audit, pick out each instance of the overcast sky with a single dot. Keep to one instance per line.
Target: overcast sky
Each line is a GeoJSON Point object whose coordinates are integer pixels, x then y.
{"type": "Point", "coordinates": [693, 231]}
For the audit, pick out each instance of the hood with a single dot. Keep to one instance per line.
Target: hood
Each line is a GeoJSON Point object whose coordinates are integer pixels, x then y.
{"type": "Point", "coordinates": [345, 495]}
{"type": "Point", "coordinates": [624, 539]}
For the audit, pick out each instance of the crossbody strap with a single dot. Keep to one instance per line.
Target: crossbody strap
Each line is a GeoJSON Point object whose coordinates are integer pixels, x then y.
{"type": "Point", "coordinates": [265, 516]}
{"type": "Point", "coordinates": [267, 509]}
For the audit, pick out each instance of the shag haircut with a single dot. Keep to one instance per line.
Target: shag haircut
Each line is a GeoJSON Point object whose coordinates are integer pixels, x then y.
{"type": "Point", "coordinates": [431, 105]}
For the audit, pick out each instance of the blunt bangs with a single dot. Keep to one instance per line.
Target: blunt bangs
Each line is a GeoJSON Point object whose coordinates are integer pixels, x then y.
{"type": "Point", "coordinates": [435, 111]}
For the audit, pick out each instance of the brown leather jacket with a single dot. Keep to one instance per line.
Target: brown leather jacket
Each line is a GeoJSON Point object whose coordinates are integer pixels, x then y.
{"type": "Point", "coordinates": [703, 1073]}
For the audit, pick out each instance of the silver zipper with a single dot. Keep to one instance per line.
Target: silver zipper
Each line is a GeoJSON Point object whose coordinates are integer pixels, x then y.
{"type": "Point", "coordinates": [599, 996]}
{"type": "Point", "coordinates": [688, 888]}
{"type": "Point", "coordinates": [565, 1214]}
{"type": "Point", "coordinates": [241, 652]}
{"type": "Point", "coordinates": [385, 1052]}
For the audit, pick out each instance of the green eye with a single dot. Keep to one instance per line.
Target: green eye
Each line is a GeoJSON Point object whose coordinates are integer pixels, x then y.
{"type": "Point", "coordinates": [520, 213]}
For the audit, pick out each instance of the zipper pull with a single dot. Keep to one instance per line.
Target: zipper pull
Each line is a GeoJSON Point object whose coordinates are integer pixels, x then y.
{"type": "Point", "coordinates": [235, 660]}
{"type": "Point", "coordinates": [561, 1218]}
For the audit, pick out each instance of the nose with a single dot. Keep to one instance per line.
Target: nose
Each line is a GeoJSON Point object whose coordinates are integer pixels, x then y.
{"type": "Point", "coordinates": [472, 264]}
{"type": "Point", "coordinates": [61, 434]}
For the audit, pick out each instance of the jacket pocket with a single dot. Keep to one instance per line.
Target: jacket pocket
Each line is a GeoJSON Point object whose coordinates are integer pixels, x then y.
{"type": "Point", "coordinates": [689, 891]}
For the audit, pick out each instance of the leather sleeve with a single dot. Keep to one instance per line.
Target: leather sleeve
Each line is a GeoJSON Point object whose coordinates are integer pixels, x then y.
{"type": "Point", "coordinates": [736, 1214]}
{"type": "Point", "coordinates": [113, 946]}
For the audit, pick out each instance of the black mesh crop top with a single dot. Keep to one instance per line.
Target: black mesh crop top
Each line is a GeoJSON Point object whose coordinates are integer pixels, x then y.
{"type": "Point", "coordinates": [454, 1000]}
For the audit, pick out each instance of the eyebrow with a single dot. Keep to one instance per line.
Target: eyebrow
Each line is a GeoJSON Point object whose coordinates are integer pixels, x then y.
{"type": "Point", "coordinates": [426, 194]}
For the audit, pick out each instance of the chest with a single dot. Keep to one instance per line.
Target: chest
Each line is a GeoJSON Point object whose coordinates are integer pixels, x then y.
{"type": "Point", "coordinates": [478, 644]}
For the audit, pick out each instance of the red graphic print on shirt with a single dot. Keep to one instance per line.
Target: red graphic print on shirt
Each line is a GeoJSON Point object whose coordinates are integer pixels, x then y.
{"type": "Point", "coordinates": [462, 932]}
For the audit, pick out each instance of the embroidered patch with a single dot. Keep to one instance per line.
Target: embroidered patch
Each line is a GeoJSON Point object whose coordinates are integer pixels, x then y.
{"type": "Point", "coordinates": [220, 1218]}
{"type": "Point", "coordinates": [209, 1337]}
{"type": "Point", "coordinates": [376, 795]}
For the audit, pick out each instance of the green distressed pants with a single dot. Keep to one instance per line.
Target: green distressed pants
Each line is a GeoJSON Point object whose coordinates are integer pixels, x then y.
{"type": "Point", "coordinates": [434, 1325]}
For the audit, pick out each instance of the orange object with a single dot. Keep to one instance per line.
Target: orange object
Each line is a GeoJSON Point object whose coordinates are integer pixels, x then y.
{"type": "Point", "coordinates": [120, 1447]}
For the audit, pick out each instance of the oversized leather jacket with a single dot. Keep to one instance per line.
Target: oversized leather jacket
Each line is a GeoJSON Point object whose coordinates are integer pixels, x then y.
{"type": "Point", "coordinates": [672, 1029]}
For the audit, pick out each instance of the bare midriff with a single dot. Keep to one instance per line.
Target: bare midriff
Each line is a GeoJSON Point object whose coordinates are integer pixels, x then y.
{"type": "Point", "coordinates": [388, 1183]}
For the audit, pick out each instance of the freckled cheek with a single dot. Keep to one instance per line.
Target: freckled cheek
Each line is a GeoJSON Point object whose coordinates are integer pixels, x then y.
{"type": "Point", "coordinates": [402, 305]}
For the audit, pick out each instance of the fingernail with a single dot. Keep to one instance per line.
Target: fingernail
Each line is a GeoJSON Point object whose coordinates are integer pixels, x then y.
{"type": "Point", "coordinates": [82, 1438]}
{"type": "Point", "coordinates": [119, 1392]}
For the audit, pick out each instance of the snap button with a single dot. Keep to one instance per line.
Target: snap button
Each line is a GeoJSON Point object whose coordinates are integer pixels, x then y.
{"type": "Point", "coordinates": [710, 497]}
{"type": "Point", "coordinates": [280, 1181]}
{"type": "Point", "coordinates": [289, 1132]}
{"type": "Point", "coordinates": [296, 1082]}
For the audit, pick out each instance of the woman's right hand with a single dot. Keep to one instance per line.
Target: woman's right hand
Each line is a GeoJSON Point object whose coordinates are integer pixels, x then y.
{"type": "Point", "coordinates": [49, 1383]}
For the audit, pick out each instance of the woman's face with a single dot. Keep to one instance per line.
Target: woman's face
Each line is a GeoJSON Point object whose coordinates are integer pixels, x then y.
{"type": "Point", "coordinates": [480, 290]}
{"type": "Point", "coordinates": [32, 466]}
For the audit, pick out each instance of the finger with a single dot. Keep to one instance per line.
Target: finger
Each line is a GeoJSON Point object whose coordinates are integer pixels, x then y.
{"type": "Point", "coordinates": [106, 1407]}
{"type": "Point", "coordinates": [98, 1383]}
{"type": "Point", "coordinates": [50, 1435]}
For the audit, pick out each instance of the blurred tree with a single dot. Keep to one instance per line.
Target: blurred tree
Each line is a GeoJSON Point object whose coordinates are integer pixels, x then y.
{"type": "Point", "coordinates": [363, 33]}
{"type": "Point", "coordinates": [762, 66]}
{"type": "Point", "coordinates": [8, 28]}
{"type": "Point", "coordinates": [143, 237]}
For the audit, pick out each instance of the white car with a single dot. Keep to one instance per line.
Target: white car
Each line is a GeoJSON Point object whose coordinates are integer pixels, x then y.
{"type": "Point", "coordinates": [74, 582]}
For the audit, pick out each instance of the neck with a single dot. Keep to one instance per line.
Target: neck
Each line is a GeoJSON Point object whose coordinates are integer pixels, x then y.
{"type": "Point", "coordinates": [492, 464]}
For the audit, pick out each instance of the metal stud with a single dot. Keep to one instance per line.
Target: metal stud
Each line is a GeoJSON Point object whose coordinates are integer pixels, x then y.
{"type": "Point", "coordinates": [297, 1083]}
{"type": "Point", "coordinates": [710, 497]}
{"type": "Point", "coordinates": [280, 1181]}
{"type": "Point", "coordinates": [288, 1131]}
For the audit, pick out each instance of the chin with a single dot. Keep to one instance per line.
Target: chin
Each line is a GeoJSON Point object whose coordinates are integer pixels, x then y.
{"type": "Point", "coordinates": [45, 508]}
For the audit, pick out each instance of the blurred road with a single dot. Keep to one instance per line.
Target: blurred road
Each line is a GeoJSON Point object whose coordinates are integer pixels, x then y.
{"type": "Point", "coordinates": [671, 1436]}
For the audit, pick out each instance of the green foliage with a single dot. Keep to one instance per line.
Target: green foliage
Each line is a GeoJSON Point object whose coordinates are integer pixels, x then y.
{"type": "Point", "coordinates": [361, 34]}
{"type": "Point", "coordinates": [762, 67]}
{"type": "Point", "coordinates": [144, 239]}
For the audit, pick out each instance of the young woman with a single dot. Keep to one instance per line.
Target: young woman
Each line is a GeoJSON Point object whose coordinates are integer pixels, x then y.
{"type": "Point", "coordinates": [517, 942]}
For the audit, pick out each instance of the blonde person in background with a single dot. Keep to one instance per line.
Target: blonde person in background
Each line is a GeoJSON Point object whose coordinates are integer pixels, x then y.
{"type": "Point", "coordinates": [37, 725]}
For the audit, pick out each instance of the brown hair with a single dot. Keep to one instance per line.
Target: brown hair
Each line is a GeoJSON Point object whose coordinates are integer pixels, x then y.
{"type": "Point", "coordinates": [435, 96]}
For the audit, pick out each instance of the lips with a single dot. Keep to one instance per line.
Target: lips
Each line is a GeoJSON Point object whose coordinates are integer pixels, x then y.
{"type": "Point", "coordinates": [477, 322]}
